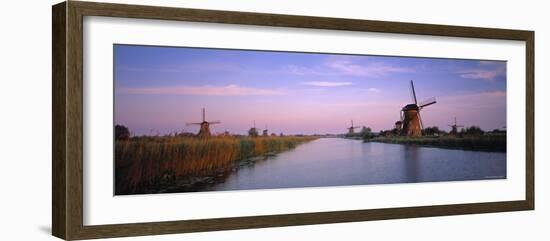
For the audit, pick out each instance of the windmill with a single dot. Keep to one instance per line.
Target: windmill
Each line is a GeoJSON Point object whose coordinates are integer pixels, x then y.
{"type": "Point", "coordinates": [264, 132]}
{"type": "Point", "coordinates": [410, 115]}
{"type": "Point", "coordinates": [253, 132]}
{"type": "Point", "coordinates": [454, 128]}
{"type": "Point", "coordinates": [205, 125]}
{"type": "Point", "coordinates": [351, 129]}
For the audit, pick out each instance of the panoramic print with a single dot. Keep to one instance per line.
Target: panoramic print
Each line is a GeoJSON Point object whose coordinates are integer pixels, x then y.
{"type": "Point", "coordinates": [201, 119]}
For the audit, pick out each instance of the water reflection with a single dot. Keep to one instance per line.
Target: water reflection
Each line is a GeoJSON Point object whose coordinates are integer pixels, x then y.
{"type": "Point", "coordinates": [410, 160]}
{"type": "Point", "coordinates": [335, 162]}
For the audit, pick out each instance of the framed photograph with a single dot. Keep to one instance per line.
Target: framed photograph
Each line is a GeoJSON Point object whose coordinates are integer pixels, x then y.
{"type": "Point", "coordinates": [171, 120]}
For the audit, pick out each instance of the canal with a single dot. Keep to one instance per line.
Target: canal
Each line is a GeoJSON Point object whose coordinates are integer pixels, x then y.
{"type": "Point", "coordinates": [336, 162]}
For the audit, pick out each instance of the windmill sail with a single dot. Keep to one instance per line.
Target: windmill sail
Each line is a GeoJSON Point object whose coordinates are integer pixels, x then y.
{"type": "Point", "coordinates": [413, 93]}
{"type": "Point", "coordinates": [454, 128]}
{"type": "Point", "coordinates": [427, 102]}
{"type": "Point", "coordinates": [351, 129]}
{"type": "Point", "coordinates": [204, 130]}
{"type": "Point", "coordinates": [412, 123]}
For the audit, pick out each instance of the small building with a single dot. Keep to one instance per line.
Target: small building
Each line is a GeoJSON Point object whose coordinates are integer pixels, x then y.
{"type": "Point", "coordinates": [398, 125]}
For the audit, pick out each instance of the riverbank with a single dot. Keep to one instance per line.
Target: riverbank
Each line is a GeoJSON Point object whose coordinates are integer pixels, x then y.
{"type": "Point", "coordinates": [490, 143]}
{"type": "Point", "coordinates": [160, 164]}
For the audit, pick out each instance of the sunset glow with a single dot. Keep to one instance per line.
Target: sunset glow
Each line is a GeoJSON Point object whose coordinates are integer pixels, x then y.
{"type": "Point", "coordinates": [160, 89]}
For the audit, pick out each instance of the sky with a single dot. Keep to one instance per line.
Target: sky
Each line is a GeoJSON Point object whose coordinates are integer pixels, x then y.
{"type": "Point", "coordinates": [160, 89]}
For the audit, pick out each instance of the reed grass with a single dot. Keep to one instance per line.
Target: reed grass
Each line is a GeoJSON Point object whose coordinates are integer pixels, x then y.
{"type": "Point", "coordinates": [141, 162]}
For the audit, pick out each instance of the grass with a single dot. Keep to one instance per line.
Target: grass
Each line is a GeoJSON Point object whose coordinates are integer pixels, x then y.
{"type": "Point", "coordinates": [493, 143]}
{"type": "Point", "coordinates": [141, 163]}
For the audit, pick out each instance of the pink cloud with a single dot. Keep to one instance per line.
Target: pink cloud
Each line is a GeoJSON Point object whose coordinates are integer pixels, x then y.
{"type": "Point", "coordinates": [476, 99]}
{"type": "Point", "coordinates": [488, 70]}
{"type": "Point", "coordinates": [229, 90]}
{"type": "Point", "coordinates": [488, 62]}
{"type": "Point", "coordinates": [369, 70]}
{"type": "Point", "coordinates": [479, 74]}
{"type": "Point", "coordinates": [374, 90]}
{"type": "Point", "coordinates": [299, 70]}
{"type": "Point", "coordinates": [327, 84]}
{"type": "Point", "coordinates": [346, 66]}
{"type": "Point", "coordinates": [196, 67]}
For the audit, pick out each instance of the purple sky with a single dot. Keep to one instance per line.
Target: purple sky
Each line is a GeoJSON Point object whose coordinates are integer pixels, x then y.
{"type": "Point", "coordinates": [163, 88]}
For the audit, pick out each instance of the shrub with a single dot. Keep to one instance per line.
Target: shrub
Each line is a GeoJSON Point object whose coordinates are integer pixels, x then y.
{"type": "Point", "coordinates": [121, 132]}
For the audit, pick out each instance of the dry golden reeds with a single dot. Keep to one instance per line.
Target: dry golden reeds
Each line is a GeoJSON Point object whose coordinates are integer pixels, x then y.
{"type": "Point", "coordinates": [141, 162]}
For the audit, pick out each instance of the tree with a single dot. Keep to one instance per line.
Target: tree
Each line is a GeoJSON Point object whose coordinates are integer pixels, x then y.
{"type": "Point", "coordinates": [122, 132]}
{"type": "Point", "coordinates": [366, 132]}
{"type": "Point", "coordinates": [498, 131]}
{"type": "Point", "coordinates": [473, 131]}
{"type": "Point", "coordinates": [431, 131]}
{"type": "Point", "coordinates": [395, 131]}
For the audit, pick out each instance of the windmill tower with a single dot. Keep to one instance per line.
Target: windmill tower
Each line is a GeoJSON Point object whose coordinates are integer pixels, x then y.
{"type": "Point", "coordinates": [410, 115]}
{"type": "Point", "coordinates": [264, 132]}
{"type": "Point", "coordinates": [204, 131]}
{"type": "Point", "coordinates": [454, 128]}
{"type": "Point", "coordinates": [253, 132]}
{"type": "Point", "coordinates": [351, 129]}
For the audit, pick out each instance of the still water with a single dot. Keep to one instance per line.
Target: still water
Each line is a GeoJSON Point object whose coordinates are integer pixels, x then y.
{"type": "Point", "coordinates": [336, 162]}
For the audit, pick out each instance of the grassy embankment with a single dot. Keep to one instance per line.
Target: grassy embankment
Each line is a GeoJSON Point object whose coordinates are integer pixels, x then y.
{"type": "Point", "coordinates": [493, 143]}
{"type": "Point", "coordinates": [147, 164]}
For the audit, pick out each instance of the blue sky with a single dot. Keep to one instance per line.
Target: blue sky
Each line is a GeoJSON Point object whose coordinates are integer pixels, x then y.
{"type": "Point", "coordinates": [162, 88]}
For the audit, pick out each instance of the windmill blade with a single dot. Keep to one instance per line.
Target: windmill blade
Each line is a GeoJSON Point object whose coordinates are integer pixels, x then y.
{"type": "Point", "coordinates": [190, 124]}
{"type": "Point", "coordinates": [413, 93]}
{"type": "Point", "coordinates": [214, 122]}
{"type": "Point", "coordinates": [428, 102]}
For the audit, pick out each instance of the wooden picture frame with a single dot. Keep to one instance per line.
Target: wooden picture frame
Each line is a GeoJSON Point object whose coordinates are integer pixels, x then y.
{"type": "Point", "coordinates": [67, 152]}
